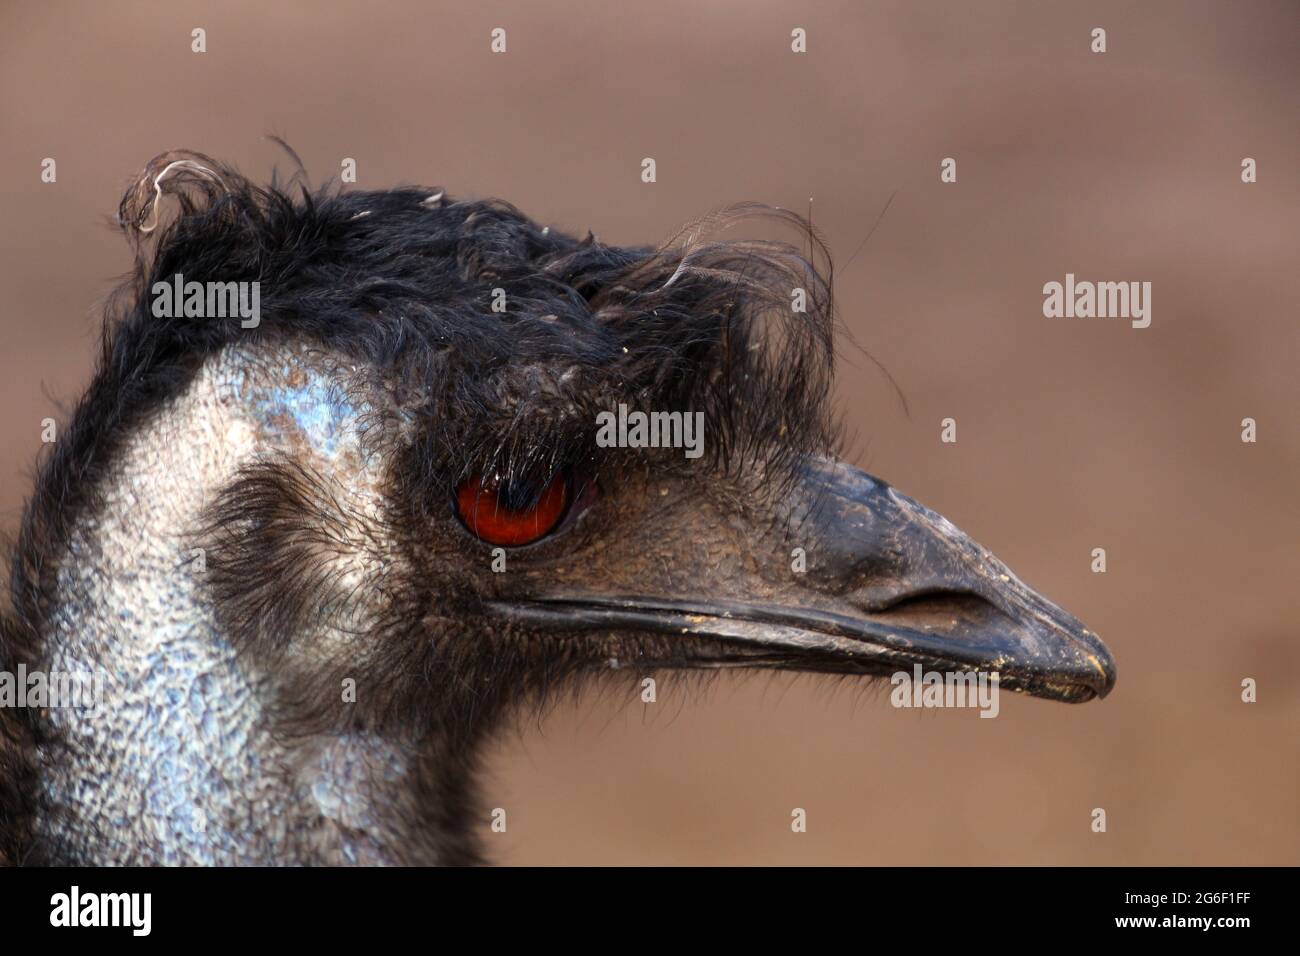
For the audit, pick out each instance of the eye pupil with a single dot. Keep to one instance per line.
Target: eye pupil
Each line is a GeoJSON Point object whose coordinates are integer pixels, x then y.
{"type": "Point", "coordinates": [519, 495]}
{"type": "Point", "coordinates": [512, 512]}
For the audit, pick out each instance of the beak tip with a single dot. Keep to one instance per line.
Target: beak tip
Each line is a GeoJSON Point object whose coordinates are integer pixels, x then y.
{"type": "Point", "coordinates": [1098, 665]}
{"type": "Point", "coordinates": [1107, 675]}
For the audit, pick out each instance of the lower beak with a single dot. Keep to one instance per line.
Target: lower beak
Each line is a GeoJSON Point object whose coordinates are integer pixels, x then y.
{"type": "Point", "coordinates": [888, 585]}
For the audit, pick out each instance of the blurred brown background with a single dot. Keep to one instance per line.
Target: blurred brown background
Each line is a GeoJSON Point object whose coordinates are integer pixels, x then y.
{"type": "Point", "coordinates": [1073, 434]}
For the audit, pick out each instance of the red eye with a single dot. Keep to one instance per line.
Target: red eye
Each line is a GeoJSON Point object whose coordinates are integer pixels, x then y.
{"type": "Point", "coordinates": [512, 513]}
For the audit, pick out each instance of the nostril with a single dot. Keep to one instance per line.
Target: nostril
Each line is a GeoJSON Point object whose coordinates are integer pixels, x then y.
{"type": "Point", "coordinates": [939, 609]}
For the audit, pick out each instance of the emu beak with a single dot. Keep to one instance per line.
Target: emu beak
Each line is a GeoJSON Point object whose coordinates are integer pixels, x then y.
{"type": "Point", "coordinates": [888, 584]}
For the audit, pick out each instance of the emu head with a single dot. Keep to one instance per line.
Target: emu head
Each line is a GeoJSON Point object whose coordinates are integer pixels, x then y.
{"type": "Point", "coordinates": [318, 557]}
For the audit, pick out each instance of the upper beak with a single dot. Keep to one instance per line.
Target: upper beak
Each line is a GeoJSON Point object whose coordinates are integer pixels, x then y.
{"type": "Point", "coordinates": [888, 584]}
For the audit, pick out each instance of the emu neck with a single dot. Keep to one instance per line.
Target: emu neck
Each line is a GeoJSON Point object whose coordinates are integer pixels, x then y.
{"type": "Point", "coordinates": [180, 763]}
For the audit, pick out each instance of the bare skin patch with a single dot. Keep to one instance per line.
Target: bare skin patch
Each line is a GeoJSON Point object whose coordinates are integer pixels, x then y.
{"type": "Point", "coordinates": [185, 767]}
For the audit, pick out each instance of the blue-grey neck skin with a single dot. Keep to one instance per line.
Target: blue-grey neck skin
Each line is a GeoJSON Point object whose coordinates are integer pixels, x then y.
{"type": "Point", "coordinates": [180, 763]}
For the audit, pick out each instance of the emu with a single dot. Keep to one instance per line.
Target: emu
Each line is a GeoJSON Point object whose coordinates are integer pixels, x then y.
{"type": "Point", "coordinates": [319, 561]}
